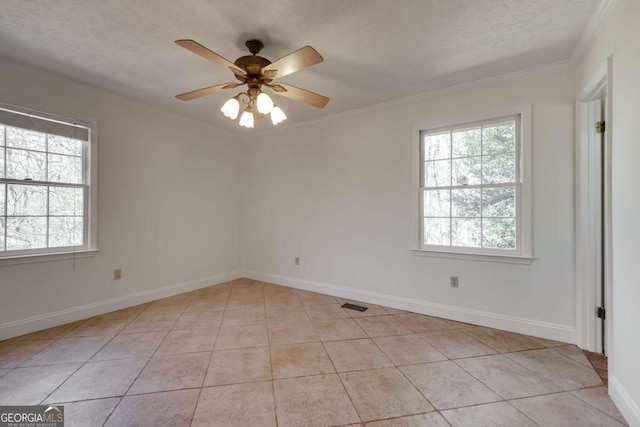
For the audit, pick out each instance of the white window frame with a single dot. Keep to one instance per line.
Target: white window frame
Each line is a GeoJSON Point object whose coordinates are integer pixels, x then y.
{"type": "Point", "coordinates": [90, 223]}
{"type": "Point", "coordinates": [523, 254]}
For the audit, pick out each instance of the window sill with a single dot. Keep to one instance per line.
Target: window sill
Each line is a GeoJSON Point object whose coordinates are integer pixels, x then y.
{"type": "Point", "coordinates": [508, 259]}
{"type": "Point", "coordinates": [59, 256]}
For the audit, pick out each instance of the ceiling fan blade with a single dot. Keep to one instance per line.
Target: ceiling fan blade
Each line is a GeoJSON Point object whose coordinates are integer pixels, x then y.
{"type": "Point", "coordinates": [301, 95]}
{"type": "Point", "coordinates": [202, 51]}
{"type": "Point", "coordinates": [296, 61]}
{"type": "Point", "coordinates": [188, 96]}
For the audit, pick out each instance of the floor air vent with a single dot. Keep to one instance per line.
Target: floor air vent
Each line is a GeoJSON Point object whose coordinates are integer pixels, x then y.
{"type": "Point", "coordinates": [354, 307]}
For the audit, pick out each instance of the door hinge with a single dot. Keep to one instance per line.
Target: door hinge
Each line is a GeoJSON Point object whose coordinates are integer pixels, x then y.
{"type": "Point", "coordinates": [600, 127]}
{"type": "Point", "coordinates": [600, 312]}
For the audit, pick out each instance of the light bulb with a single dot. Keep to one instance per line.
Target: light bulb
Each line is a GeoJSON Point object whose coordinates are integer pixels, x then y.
{"type": "Point", "coordinates": [231, 108]}
{"type": "Point", "coordinates": [277, 115]}
{"type": "Point", "coordinates": [264, 103]}
{"type": "Point", "coordinates": [246, 119]}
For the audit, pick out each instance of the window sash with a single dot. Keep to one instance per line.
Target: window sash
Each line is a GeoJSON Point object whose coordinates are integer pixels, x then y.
{"type": "Point", "coordinates": [4, 252]}
{"type": "Point", "coordinates": [51, 126]}
{"type": "Point", "coordinates": [28, 121]}
{"type": "Point", "coordinates": [468, 126]}
{"type": "Point", "coordinates": [516, 184]}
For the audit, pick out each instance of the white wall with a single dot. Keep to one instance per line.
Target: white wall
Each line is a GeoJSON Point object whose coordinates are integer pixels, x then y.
{"type": "Point", "coordinates": [619, 38]}
{"type": "Point", "coordinates": [337, 194]}
{"type": "Point", "coordinates": [168, 206]}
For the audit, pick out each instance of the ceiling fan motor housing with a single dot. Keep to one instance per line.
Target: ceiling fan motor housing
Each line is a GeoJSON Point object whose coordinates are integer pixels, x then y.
{"type": "Point", "coordinates": [253, 65]}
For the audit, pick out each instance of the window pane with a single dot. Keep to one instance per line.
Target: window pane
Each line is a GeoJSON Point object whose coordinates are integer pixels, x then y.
{"type": "Point", "coordinates": [437, 174]}
{"type": "Point", "coordinates": [437, 146]}
{"type": "Point", "coordinates": [66, 201]}
{"type": "Point", "coordinates": [64, 145]}
{"type": "Point", "coordinates": [27, 139]}
{"type": "Point", "coordinates": [436, 231]}
{"type": "Point", "coordinates": [499, 138]}
{"type": "Point", "coordinates": [499, 233]}
{"type": "Point", "coordinates": [466, 232]}
{"type": "Point", "coordinates": [499, 169]}
{"type": "Point", "coordinates": [2, 154]}
{"type": "Point", "coordinates": [436, 203]}
{"type": "Point", "coordinates": [2, 220]}
{"type": "Point", "coordinates": [466, 143]}
{"type": "Point", "coordinates": [465, 203]}
{"type": "Point", "coordinates": [500, 201]}
{"type": "Point", "coordinates": [26, 233]}
{"type": "Point", "coordinates": [2, 198]}
{"type": "Point", "coordinates": [22, 164]}
{"type": "Point", "coordinates": [466, 171]}
{"type": "Point", "coordinates": [65, 231]}
{"type": "Point", "coordinates": [26, 200]}
{"type": "Point", "coordinates": [65, 169]}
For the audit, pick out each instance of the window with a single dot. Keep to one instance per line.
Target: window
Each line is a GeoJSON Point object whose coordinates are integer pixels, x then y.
{"type": "Point", "coordinates": [45, 185]}
{"type": "Point", "coordinates": [471, 194]}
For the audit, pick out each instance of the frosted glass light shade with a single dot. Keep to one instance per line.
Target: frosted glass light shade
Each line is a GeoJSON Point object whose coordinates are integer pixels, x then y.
{"type": "Point", "coordinates": [264, 103]}
{"type": "Point", "coordinates": [246, 119]}
{"type": "Point", "coordinates": [277, 115]}
{"type": "Point", "coordinates": [231, 108]}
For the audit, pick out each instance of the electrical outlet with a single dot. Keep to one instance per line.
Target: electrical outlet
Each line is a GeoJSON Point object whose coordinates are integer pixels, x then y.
{"type": "Point", "coordinates": [117, 274]}
{"type": "Point", "coordinates": [297, 260]}
{"type": "Point", "coordinates": [454, 281]}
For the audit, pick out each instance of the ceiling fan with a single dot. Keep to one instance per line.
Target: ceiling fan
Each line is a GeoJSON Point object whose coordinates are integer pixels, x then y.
{"type": "Point", "coordinates": [257, 72]}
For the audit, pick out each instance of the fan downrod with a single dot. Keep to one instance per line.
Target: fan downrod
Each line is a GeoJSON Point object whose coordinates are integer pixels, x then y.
{"type": "Point", "coordinates": [254, 46]}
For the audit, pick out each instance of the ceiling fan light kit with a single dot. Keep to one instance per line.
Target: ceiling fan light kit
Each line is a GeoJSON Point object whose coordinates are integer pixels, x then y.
{"type": "Point", "coordinates": [246, 120]}
{"type": "Point", "coordinates": [231, 108]}
{"type": "Point", "coordinates": [277, 115]}
{"type": "Point", "coordinates": [257, 72]}
{"type": "Point", "coordinates": [264, 103]}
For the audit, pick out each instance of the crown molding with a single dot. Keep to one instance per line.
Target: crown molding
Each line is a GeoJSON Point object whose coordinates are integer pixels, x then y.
{"type": "Point", "coordinates": [592, 29]}
{"type": "Point", "coordinates": [90, 90]}
{"type": "Point", "coordinates": [489, 81]}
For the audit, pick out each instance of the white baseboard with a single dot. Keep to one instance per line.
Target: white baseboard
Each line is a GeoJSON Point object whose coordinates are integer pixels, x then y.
{"type": "Point", "coordinates": [628, 408]}
{"type": "Point", "coordinates": [49, 320]}
{"type": "Point", "coordinates": [493, 320]}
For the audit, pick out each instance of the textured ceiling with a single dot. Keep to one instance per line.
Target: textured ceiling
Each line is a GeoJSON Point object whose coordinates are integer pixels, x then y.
{"type": "Point", "coordinates": [374, 50]}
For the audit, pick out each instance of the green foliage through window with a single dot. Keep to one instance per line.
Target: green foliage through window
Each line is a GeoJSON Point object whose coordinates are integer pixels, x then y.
{"type": "Point", "coordinates": [470, 185]}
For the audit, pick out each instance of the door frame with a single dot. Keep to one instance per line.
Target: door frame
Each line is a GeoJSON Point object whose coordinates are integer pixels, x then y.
{"type": "Point", "coordinates": [588, 211]}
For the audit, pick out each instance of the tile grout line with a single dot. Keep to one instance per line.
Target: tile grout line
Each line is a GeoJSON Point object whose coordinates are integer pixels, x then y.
{"type": "Point", "coordinates": [89, 359]}
{"type": "Point", "coordinates": [435, 411]}
{"type": "Point", "coordinates": [53, 341]}
{"type": "Point", "coordinates": [420, 334]}
{"type": "Point", "coordinates": [519, 411]}
{"type": "Point", "coordinates": [564, 355]}
{"type": "Point", "coordinates": [573, 362]}
{"type": "Point", "coordinates": [397, 368]}
{"type": "Point", "coordinates": [337, 374]}
{"type": "Point", "coordinates": [206, 371]}
{"type": "Point", "coordinates": [480, 341]}
{"type": "Point", "coordinates": [143, 368]}
{"type": "Point", "coordinates": [273, 380]}
{"type": "Point", "coordinates": [503, 399]}
{"type": "Point", "coordinates": [596, 408]}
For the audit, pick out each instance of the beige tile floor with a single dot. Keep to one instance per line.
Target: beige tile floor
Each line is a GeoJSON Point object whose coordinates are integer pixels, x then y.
{"type": "Point", "coordinates": [247, 353]}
